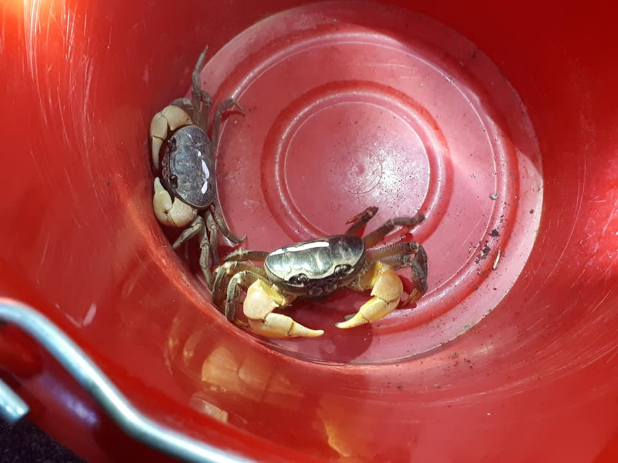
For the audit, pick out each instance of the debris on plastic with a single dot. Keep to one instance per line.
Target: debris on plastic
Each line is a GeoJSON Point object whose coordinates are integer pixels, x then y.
{"type": "Point", "coordinates": [483, 254]}
{"type": "Point", "coordinates": [497, 261]}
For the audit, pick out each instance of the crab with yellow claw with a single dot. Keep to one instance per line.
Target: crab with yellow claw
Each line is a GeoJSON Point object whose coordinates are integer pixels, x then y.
{"type": "Point", "coordinates": [188, 187]}
{"type": "Point", "coordinates": [317, 268]}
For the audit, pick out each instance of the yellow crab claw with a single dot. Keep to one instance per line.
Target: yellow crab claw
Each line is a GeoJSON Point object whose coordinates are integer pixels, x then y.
{"type": "Point", "coordinates": [173, 213]}
{"type": "Point", "coordinates": [171, 118]}
{"type": "Point", "coordinates": [258, 307]}
{"type": "Point", "coordinates": [386, 292]}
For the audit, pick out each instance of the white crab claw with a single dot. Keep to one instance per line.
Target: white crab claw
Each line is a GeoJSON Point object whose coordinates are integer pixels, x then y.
{"type": "Point", "coordinates": [386, 294]}
{"type": "Point", "coordinates": [258, 306]}
{"type": "Point", "coordinates": [172, 213]}
{"type": "Point", "coordinates": [171, 118]}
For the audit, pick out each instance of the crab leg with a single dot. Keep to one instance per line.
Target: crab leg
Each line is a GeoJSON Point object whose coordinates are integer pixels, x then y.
{"type": "Point", "coordinates": [223, 226]}
{"type": "Point", "coordinates": [208, 246]}
{"type": "Point", "coordinates": [262, 299]}
{"type": "Point", "coordinates": [199, 97]}
{"type": "Point", "coordinates": [206, 103]}
{"type": "Point", "coordinates": [246, 254]}
{"type": "Point", "coordinates": [386, 289]}
{"type": "Point", "coordinates": [224, 273]}
{"type": "Point", "coordinates": [390, 250]}
{"type": "Point", "coordinates": [192, 230]}
{"type": "Point", "coordinates": [213, 232]}
{"type": "Point", "coordinates": [418, 266]}
{"type": "Point", "coordinates": [406, 254]}
{"type": "Point", "coordinates": [171, 118]}
{"type": "Point", "coordinates": [208, 242]}
{"type": "Point", "coordinates": [242, 279]}
{"type": "Point", "coordinates": [380, 233]}
{"type": "Point", "coordinates": [223, 107]}
{"type": "Point", "coordinates": [195, 75]}
{"type": "Point", "coordinates": [360, 220]}
{"type": "Point", "coordinates": [260, 302]}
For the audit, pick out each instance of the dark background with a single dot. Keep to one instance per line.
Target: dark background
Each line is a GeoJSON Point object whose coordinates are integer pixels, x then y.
{"type": "Point", "coordinates": [25, 442]}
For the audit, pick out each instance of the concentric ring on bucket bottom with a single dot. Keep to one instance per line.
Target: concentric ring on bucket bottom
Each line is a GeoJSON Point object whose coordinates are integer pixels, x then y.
{"type": "Point", "coordinates": [361, 162]}
{"type": "Point", "coordinates": [304, 89]}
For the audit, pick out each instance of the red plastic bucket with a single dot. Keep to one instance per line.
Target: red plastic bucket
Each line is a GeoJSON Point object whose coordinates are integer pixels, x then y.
{"type": "Point", "coordinates": [495, 121]}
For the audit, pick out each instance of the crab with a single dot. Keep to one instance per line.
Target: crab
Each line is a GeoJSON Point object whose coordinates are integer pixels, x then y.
{"type": "Point", "coordinates": [316, 269]}
{"type": "Point", "coordinates": [187, 185]}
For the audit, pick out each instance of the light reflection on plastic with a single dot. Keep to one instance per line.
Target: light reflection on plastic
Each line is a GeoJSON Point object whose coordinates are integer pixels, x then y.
{"type": "Point", "coordinates": [70, 402]}
{"type": "Point", "coordinates": [226, 379]}
{"type": "Point", "coordinates": [341, 437]}
{"type": "Point", "coordinates": [199, 403]}
{"type": "Point", "coordinates": [14, 7]}
{"type": "Point", "coordinates": [250, 377]}
{"type": "Point", "coordinates": [82, 412]}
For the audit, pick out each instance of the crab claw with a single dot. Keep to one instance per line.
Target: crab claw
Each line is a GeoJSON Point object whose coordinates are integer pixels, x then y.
{"type": "Point", "coordinates": [258, 307]}
{"type": "Point", "coordinates": [386, 292]}
{"type": "Point", "coordinates": [172, 213]}
{"type": "Point", "coordinates": [171, 118]}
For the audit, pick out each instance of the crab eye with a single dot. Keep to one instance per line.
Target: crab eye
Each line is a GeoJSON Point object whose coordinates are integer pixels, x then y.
{"type": "Point", "coordinates": [342, 269]}
{"type": "Point", "coordinates": [174, 181]}
{"type": "Point", "coordinates": [171, 144]}
{"type": "Point", "coordinates": [300, 280]}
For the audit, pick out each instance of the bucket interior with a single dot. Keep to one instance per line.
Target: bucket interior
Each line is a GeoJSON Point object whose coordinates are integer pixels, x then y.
{"type": "Point", "coordinates": [495, 121]}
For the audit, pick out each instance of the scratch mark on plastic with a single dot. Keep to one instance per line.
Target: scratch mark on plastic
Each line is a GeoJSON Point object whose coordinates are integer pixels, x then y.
{"type": "Point", "coordinates": [69, 37]}
{"type": "Point", "coordinates": [581, 185]}
{"type": "Point", "coordinates": [539, 320]}
{"type": "Point", "coordinates": [109, 38]}
{"type": "Point", "coordinates": [614, 353]}
{"type": "Point", "coordinates": [44, 252]}
{"type": "Point", "coordinates": [31, 26]}
{"type": "Point", "coordinates": [90, 314]}
{"type": "Point", "coordinates": [472, 232]}
{"type": "Point", "coordinates": [42, 259]}
{"type": "Point", "coordinates": [73, 320]}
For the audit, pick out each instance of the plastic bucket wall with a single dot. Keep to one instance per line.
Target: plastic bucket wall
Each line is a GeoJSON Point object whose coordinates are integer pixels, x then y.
{"type": "Point", "coordinates": [530, 375]}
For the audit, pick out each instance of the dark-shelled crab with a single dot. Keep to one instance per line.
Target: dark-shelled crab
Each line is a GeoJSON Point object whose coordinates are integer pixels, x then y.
{"type": "Point", "coordinates": [188, 187]}
{"type": "Point", "coordinates": [317, 268]}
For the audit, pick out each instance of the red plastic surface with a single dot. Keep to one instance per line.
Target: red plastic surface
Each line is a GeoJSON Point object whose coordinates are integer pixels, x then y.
{"type": "Point", "coordinates": [437, 106]}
